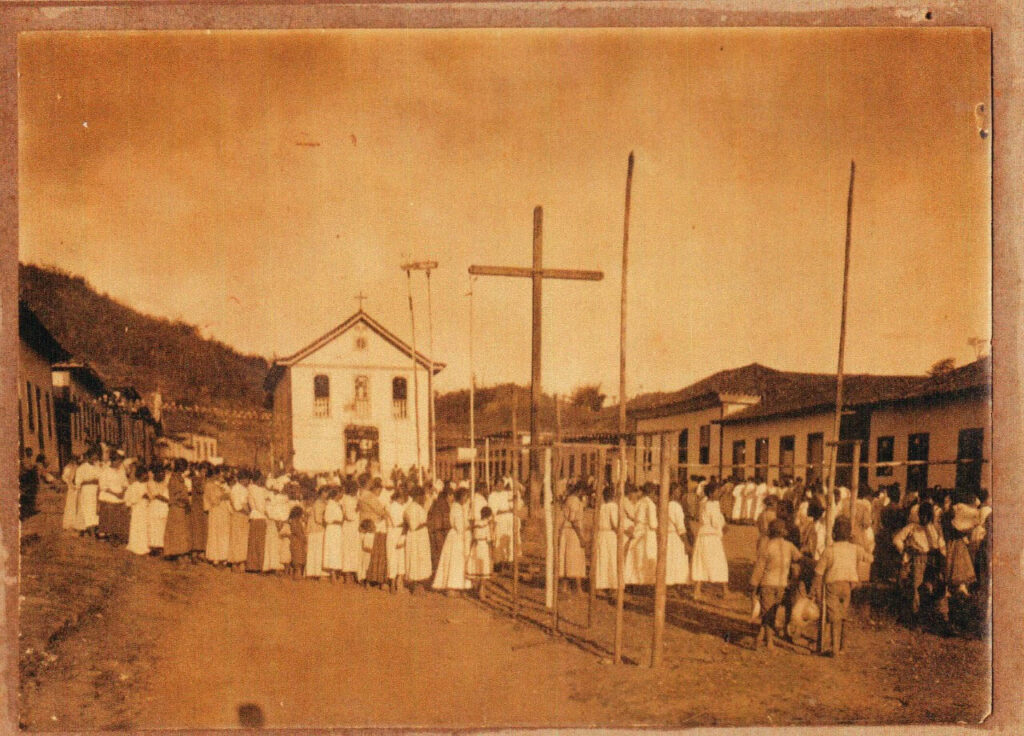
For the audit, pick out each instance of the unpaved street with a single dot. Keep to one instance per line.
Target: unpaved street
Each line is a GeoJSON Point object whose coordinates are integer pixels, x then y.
{"type": "Point", "coordinates": [118, 641]}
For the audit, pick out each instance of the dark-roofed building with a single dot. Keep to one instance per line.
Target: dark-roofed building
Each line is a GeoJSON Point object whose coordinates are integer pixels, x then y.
{"type": "Point", "coordinates": [350, 397]}
{"type": "Point", "coordinates": [945, 422]}
{"type": "Point", "coordinates": [915, 430]}
{"type": "Point", "coordinates": [752, 421]}
{"type": "Point", "coordinates": [38, 350]}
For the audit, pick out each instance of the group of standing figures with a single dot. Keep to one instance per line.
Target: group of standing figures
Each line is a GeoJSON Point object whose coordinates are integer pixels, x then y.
{"type": "Point", "coordinates": [326, 526]}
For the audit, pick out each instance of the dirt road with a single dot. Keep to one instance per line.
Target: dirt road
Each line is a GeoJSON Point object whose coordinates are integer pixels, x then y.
{"type": "Point", "coordinates": [146, 643]}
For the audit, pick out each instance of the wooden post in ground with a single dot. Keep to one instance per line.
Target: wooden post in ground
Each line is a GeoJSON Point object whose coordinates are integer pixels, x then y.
{"type": "Point", "coordinates": [549, 552]}
{"type": "Point", "coordinates": [514, 462]}
{"type": "Point", "coordinates": [591, 578]}
{"type": "Point", "coordinates": [837, 422]}
{"type": "Point", "coordinates": [660, 593]}
{"type": "Point", "coordinates": [619, 538]}
{"type": "Point", "coordinates": [855, 479]}
{"type": "Point", "coordinates": [556, 483]}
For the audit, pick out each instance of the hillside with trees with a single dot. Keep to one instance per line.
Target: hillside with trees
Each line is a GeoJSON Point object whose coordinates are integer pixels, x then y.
{"type": "Point", "coordinates": [130, 348]}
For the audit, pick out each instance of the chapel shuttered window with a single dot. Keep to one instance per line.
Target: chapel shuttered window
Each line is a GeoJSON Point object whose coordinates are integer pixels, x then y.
{"type": "Point", "coordinates": [321, 396]}
{"type": "Point", "coordinates": [362, 402]}
{"type": "Point", "coordinates": [399, 397]}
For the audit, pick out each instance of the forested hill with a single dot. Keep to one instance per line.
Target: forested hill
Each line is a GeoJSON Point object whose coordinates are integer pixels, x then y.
{"type": "Point", "coordinates": [129, 348]}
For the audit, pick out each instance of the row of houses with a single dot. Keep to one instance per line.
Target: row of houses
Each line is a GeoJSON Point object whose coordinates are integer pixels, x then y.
{"type": "Point", "coordinates": [65, 407]}
{"type": "Point", "coordinates": [756, 422]}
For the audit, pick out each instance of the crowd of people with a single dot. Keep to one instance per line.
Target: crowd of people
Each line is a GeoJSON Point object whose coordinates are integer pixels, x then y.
{"type": "Point", "coordinates": [335, 526]}
{"type": "Point", "coordinates": [405, 534]}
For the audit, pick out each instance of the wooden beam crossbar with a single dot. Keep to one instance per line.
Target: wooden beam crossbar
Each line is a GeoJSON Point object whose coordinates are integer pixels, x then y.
{"type": "Point", "coordinates": [529, 273]}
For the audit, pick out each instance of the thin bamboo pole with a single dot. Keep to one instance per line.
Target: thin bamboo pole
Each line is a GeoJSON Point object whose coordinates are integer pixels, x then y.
{"type": "Point", "coordinates": [514, 462]}
{"type": "Point", "coordinates": [549, 553]}
{"type": "Point", "coordinates": [837, 424]}
{"type": "Point", "coordinates": [620, 592]}
{"type": "Point", "coordinates": [660, 593]}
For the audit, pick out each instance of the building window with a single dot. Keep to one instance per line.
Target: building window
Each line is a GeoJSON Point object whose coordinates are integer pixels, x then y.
{"type": "Point", "coordinates": [970, 454]}
{"type": "Point", "coordinates": [739, 459]}
{"type": "Point", "coordinates": [321, 396]}
{"type": "Point", "coordinates": [917, 465]}
{"type": "Point", "coordinates": [683, 449]}
{"type": "Point", "coordinates": [399, 397]}
{"type": "Point", "coordinates": [647, 453]}
{"type": "Point", "coordinates": [362, 403]}
{"type": "Point", "coordinates": [761, 459]}
{"type": "Point", "coordinates": [885, 452]}
{"type": "Point", "coordinates": [705, 445]}
{"type": "Point", "coordinates": [787, 455]}
{"type": "Point", "coordinates": [815, 456]}
{"type": "Point", "coordinates": [31, 410]}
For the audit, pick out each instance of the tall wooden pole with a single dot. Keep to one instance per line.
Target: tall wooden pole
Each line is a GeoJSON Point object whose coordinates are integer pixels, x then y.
{"type": "Point", "coordinates": [514, 462]}
{"type": "Point", "coordinates": [415, 377]}
{"type": "Point", "coordinates": [837, 423]}
{"type": "Point", "coordinates": [487, 464]}
{"type": "Point", "coordinates": [535, 372]}
{"type": "Point", "coordinates": [855, 479]}
{"type": "Point", "coordinates": [660, 593]}
{"type": "Point", "coordinates": [431, 428]}
{"type": "Point", "coordinates": [619, 537]}
{"type": "Point", "coordinates": [558, 523]}
{"type": "Point", "coordinates": [598, 501]}
{"type": "Point", "coordinates": [549, 552]}
{"type": "Point", "coordinates": [472, 403]}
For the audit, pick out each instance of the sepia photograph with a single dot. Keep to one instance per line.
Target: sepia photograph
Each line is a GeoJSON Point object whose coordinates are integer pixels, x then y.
{"type": "Point", "coordinates": [545, 378]}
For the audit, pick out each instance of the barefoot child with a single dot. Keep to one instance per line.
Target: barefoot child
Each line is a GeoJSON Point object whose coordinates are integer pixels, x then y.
{"type": "Point", "coordinates": [771, 578]}
{"type": "Point", "coordinates": [838, 569]}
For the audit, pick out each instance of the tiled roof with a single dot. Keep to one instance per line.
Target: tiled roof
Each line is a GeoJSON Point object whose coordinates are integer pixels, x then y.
{"type": "Point", "coordinates": [750, 380]}
{"type": "Point", "coordinates": [970, 377]}
{"type": "Point", "coordinates": [801, 392]}
{"type": "Point", "coordinates": [33, 332]}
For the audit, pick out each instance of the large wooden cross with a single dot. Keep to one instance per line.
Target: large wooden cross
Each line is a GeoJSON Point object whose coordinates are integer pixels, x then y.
{"type": "Point", "coordinates": [537, 273]}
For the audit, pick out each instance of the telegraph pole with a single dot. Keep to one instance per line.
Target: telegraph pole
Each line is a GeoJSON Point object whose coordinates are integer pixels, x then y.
{"type": "Point", "coordinates": [427, 267]}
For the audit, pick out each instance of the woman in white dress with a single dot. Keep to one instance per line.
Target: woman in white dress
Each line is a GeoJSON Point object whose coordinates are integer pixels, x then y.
{"type": "Point", "coordinates": [315, 535]}
{"type": "Point", "coordinates": [417, 542]}
{"type": "Point", "coordinates": [395, 540]}
{"type": "Point", "coordinates": [572, 561]}
{"type": "Point", "coordinates": [478, 564]}
{"type": "Point", "coordinates": [709, 563]}
{"type": "Point", "coordinates": [606, 560]}
{"type": "Point", "coordinates": [351, 540]}
{"type": "Point", "coordinates": [159, 499]}
{"type": "Point", "coordinates": [500, 501]}
{"type": "Point", "coordinates": [451, 566]}
{"type": "Point", "coordinates": [642, 547]}
{"type": "Point", "coordinates": [332, 518]}
{"type": "Point", "coordinates": [71, 499]}
{"type": "Point", "coordinates": [677, 563]}
{"type": "Point", "coordinates": [138, 526]}
{"type": "Point", "coordinates": [87, 480]}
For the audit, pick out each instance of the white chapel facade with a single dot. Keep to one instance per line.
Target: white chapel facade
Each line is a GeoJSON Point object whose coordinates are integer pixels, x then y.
{"type": "Point", "coordinates": [350, 395]}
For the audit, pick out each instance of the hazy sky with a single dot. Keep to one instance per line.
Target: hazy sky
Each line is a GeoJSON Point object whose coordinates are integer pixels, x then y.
{"type": "Point", "coordinates": [254, 182]}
